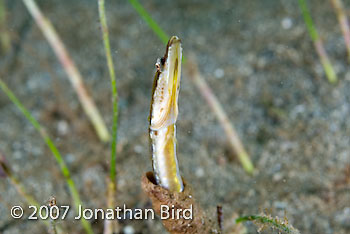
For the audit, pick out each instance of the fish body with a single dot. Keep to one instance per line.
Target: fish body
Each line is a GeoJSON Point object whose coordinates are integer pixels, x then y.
{"type": "Point", "coordinates": [163, 116]}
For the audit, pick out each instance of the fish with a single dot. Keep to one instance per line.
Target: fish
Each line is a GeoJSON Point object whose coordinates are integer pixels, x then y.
{"type": "Point", "coordinates": [163, 117]}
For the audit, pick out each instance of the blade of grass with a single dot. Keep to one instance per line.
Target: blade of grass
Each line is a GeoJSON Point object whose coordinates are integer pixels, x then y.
{"type": "Point", "coordinates": [343, 21]}
{"type": "Point", "coordinates": [206, 92]}
{"type": "Point", "coordinates": [69, 66]}
{"type": "Point", "coordinates": [5, 39]}
{"type": "Point", "coordinates": [327, 66]}
{"type": "Point", "coordinates": [64, 169]}
{"type": "Point", "coordinates": [264, 221]}
{"type": "Point", "coordinates": [30, 200]}
{"type": "Point", "coordinates": [232, 136]}
{"type": "Point", "coordinates": [110, 225]}
{"type": "Point", "coordinates": [148, 19]}
{"type": "Point", "coordinates": [109, 58]}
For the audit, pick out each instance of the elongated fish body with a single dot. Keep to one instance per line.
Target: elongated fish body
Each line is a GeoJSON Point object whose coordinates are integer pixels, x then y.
{"type": "Point", "coordinates": [163, 116]}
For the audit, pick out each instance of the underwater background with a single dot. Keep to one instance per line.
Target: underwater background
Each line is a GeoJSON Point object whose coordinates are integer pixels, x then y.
{"type": "Point", "coordinates": [258, 59]}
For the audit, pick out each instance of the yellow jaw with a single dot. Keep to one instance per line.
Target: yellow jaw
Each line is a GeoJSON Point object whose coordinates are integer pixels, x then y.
{"type": "Point", "coordinates": [164, 107]}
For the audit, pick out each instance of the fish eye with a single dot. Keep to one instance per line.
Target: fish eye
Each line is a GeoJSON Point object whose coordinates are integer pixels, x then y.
{"type": "Point", "coordinates": [158, 66]}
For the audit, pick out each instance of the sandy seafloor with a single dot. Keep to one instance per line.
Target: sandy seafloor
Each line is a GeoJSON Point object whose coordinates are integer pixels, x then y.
{"type": "Point", "coordinates": [260, 62]}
